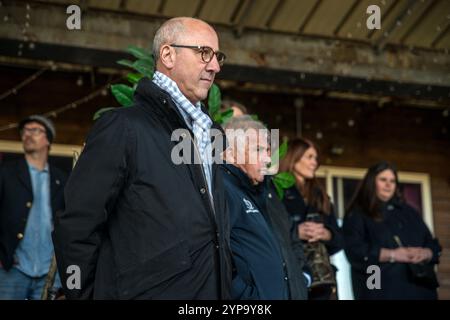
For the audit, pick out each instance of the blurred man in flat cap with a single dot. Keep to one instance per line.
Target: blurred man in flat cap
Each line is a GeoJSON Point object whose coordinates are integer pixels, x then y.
{"type": "Point", "coordinates": [31, 192]}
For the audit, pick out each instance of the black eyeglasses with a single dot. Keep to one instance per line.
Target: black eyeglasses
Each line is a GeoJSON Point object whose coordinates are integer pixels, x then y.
{"type": "Point", "coordinates": [33, 131]}
{"type": "Point", "coordinates": [207, 53]}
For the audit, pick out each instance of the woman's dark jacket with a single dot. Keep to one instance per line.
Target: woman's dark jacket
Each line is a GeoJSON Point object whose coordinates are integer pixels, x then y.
{"type": "Point", "coordinates": [364, 238]}
{"type": "Point", "coordinates": [298, 211]}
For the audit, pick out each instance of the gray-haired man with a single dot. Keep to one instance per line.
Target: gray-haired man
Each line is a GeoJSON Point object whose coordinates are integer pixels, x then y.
{"type": "Point", "coordinates": [268, 259]}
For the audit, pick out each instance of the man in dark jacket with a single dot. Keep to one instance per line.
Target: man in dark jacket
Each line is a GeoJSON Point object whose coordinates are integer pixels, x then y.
{"type": "Point", "coordinates": [31, 192]}
{"type": "Point", "coordinates": [268, 259]}
{"type": "Point", "coordinates": [138, 225]}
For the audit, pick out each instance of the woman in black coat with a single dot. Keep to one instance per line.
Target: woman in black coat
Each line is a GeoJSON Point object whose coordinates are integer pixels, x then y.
{"type": "Point", "coordinates": [381, 230]}
{"type": "Point", "coordinates": [309, 205]}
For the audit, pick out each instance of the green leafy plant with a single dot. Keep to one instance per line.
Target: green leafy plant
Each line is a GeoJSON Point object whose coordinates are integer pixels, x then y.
{"type": "Point", "coordinates": [143, 66]}
{"type": "Point", "coordinates": [214, 103]}
{"type": "Point", "coordinates": [282, 180]}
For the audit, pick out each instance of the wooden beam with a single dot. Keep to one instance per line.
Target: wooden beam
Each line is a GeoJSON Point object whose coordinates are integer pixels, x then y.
{"type": "Point", "coordinates": [309, 17]}
{"type": "Point", "coordinates": [240, 73]}
{"type": "Point", "coordinates": [418, 20]}
{"type": "Point", "coordinates": [381, 43]}
{"type": "Point", "coordinates": [253, 49]}
{"type": "Point", "coordinates": [346, 16]}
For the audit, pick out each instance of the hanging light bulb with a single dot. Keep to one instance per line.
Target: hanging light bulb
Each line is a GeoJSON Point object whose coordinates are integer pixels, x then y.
{"type": "Point", "coordinates": [80, 81]}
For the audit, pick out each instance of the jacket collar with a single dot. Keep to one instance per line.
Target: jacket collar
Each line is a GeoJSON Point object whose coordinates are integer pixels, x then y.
{"type": "Point", "coordinates": [391, 204]}
{"type": "Point", "coordinates": [157, 100]}
{"type": "Point", "coordinates": [24, 174]}
{"type": "Point", "coordinates": [25, 178]}
{"type": "Point", "coordinates": [242, 180]}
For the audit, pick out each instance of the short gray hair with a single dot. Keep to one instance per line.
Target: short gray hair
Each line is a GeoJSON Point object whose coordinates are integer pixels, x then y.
{"type": "Point", "coordinates": [244, 122]}
{"type": "Point", "coordinates": [169, 32]}
{"type": "Point", "coordinates": [240, 132]}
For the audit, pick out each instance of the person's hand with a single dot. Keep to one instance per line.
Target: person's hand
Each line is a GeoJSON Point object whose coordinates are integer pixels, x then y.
{"type": "Point", "coordinates": [304, 231]}
{"type": "Point", "coordinates": [419, 255]}
{"type": "Point", "coordinates": [312, 232]}
{"type": "Point", "coordinates": [402, 254]}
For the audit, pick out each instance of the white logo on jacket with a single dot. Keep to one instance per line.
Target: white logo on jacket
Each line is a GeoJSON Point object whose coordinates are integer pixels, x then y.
{"type": "Point", "coordinates": [250, 207]}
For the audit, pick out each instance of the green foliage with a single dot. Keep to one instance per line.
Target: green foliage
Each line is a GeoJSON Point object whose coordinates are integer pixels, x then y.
{"type": "Point", "coordinates": [139, 53]}
{"type": "Point", "coordinates": [143, 66]}
{"type": "Point", "coordinates": [134, 77]}
{"type": "Point", "coordinates": [225, 116]}
{"type": "Point", "coordinates": [279, 189]}
{"type": "Point", "coordinates": [279, 154]}
{"type": "Point", "coordinates": [214, 104]}
{"type": "Point", "coordinates": [283, 180]}
{"type": "Point", "coordinates": [123, 94]}
{"type": "Point", "coordinates": [214, 100]}
{"type": "Point", "coordinates": [100, 112]}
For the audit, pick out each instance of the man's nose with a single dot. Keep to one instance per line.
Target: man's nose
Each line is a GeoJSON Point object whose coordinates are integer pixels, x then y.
{"type": "Point", "coordinates": [26, 133]}
{"type": "Point", "coordinates": [266, 158]}
{"type": "Point", "coordinates": [213, 65]}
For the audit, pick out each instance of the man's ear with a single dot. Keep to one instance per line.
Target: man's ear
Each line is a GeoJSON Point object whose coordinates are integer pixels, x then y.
{"type": "Point", "coordinates": [167, 56]}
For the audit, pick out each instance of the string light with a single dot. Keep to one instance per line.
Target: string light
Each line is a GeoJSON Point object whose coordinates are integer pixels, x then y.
{"type": "Point", "coordinates": [73, 105]}
{"type": "Point", "coordinates": [23, 83]}
{"type": "Point", "coordinates": [80, 81]}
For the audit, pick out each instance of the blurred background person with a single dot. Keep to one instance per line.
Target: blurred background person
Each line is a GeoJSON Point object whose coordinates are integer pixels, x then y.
{"type": "Point", "coordinates": [31, 192]}
{"type": "Point", "coordinates": [238, 108]}
{"type": "Point", "coordinates": [313, 216]}
{"type": "Point", "coordinates": [380, 229]}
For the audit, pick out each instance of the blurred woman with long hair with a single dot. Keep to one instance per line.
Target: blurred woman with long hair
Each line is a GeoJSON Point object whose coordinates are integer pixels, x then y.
{"type": "Point", "coordinates": [312, 212]}
{"type": "Point", "coordinates": [382, 230]}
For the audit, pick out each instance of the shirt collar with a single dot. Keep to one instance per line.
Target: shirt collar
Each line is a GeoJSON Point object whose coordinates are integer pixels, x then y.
{"type": "Point", "coordinates": [33, 168]}
{"type": "Point", "coordinates": [159, 77]}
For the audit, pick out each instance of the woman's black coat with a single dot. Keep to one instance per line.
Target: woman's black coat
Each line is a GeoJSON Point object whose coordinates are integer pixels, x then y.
{"type": "Point", "coordinates": [364, 237]}
{"type": "Point", "coordinates": [298, 211]}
